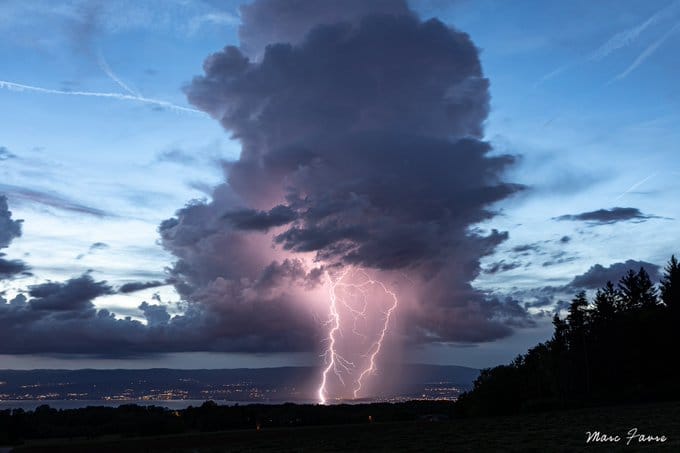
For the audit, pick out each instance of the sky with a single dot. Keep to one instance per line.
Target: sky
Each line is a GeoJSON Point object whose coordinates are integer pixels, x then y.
{"type": "Point", "coordinates": [184, 179]}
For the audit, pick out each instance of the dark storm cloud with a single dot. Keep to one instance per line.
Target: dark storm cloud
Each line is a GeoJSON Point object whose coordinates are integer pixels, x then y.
{"type": "Point", "coordinates": [60, 317]}
{"type": "Point", "coordinates": [250, 219]}
{"type": "Point", "coordinates": [155, 314]}
{"type": "Point", "coordinates": [75, 294]}
{"type": "Point", "coordinates": [361, 130]}
{"type": "Point", "coordinates": [50, 199]}
{"type": "Point", "coordinates": [273, 21]}
{"type": "Point", "coordinates": [598, 275]}
{"type": "Point", "coordinates": [11, 268]}
{"type": "Point", "coordinates": [608, 216]}
{"type": "Point", "coordinates": [138, 286]}
{"type": "Point", "coordinates": [5, 154]}
{"type": "Point", "coordinates": [9, 230]}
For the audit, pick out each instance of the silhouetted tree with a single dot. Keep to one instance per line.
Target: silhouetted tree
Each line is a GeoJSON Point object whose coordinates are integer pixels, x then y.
{"type": "Point", "coordinates": [617, 349]}
{"type": "Point", "coordinates": [606, 301]}
{"type": "Point", "coordinates": [670, 286]}
{"type": "Point", "coordinates": [637, 290]}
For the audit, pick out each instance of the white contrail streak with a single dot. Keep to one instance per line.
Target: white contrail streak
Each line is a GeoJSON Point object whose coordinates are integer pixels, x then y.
{"type": "Point", "coordinates": [620, 40]}
{"type": "Point", "coordinates": [104, 66]}
{"type": "Point", "coordinates": [646, 53]}
{"type": "Point", "coordinates": [120, 96]}
{"type": "Point", "coordinates": [636, 185]}
{"type": "Point", "coordinates": [627, 37]}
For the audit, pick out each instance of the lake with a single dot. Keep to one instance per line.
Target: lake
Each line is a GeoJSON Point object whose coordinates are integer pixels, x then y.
{"type": "Point", "coordinates": [75, 404]}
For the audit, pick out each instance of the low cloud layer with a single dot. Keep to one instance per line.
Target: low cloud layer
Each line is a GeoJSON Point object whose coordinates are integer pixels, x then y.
{"type": "Point", "coordinates": [60, 317]}
{"type": "Point", "coordinates": [597, 276]}
{"type": "Point", "coordinates": [608, 216]}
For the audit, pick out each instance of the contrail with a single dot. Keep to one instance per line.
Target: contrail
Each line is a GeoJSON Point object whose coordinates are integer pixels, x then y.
{"type": "Point", "coordinates": [646, 53]}
{"type": "Point", "coordinates": [554, 73]}
{"type": "Point", "coordinates": [627, 37]}
{"type": "Point", "coordinates": [104, 66]}
{"type": "Point", "coordinates": [636, 185]}
{"type": "Point", "coordinates": [616, 42]}
{"type": "Point", "coordinates": [120, 96]}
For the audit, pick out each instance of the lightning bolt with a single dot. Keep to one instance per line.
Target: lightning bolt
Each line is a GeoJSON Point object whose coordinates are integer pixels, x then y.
{"type": "Point", "coordinates": [377, 345]}
{"type": "Point", "coordinates": [333, 360]}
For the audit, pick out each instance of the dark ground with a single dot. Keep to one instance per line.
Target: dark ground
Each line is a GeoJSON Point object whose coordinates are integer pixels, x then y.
{"type": "Point", "coordinates": [546, 432]}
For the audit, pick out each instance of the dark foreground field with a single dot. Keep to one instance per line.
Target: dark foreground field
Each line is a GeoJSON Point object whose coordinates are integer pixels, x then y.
{"type": "Point", "coordinates": [547, 432]}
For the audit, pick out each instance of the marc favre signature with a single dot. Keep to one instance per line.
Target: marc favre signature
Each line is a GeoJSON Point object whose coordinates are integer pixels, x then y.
{"type": "Point", "coordinates": [633, 436]}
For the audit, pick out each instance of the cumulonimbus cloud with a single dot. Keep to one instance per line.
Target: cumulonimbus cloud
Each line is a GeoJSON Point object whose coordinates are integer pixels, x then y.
{"type": "Point", "coordinates": [362, 144]}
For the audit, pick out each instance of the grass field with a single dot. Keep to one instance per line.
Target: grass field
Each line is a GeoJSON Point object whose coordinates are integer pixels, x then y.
{"type": "Point", "coordinates": [547, 432]}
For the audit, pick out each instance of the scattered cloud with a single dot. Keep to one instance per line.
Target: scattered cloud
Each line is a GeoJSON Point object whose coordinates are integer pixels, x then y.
{"type": "Point", "coordinates": [98, 246]}
{"type": "Point", "coordinates": [523, 248]}
{"type": "Point", "coordinates": [132, 287]}
{"type": "Point", "coordinates": [75, 294]}
{"type": "Point", "coordinates": [608, 216]}
{"type": "Point", "coordinates": [5, 154]}
{"type": "Point", "coordinates": [177, 156]}
{"type": "Point", "coordinates": [50, 199]}
{"type": "Point", "coordinates": [502, 266]}
{"type": "Point", "coordinates": [560, 257]}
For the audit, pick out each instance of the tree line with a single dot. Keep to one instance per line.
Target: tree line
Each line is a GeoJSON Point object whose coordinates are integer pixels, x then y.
{"type": "Point", "coordinates": [130, 420]}
{"type": "Point", "coordinates": [618, 347]}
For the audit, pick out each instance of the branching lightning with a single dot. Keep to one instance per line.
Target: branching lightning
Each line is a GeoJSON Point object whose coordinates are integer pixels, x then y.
{"type": "Point", "coordinates": [334, 361]}
{"type": "Point", "coordinates": [377, 345]}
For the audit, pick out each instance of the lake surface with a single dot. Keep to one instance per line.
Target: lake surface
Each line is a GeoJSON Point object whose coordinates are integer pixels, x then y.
{"type": "Point", "coordinates": [75, 404]}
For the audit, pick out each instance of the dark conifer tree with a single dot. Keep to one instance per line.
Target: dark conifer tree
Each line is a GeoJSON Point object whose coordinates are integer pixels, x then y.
{"type": "Point", "coordinates": [670, 286]}
{"type": "Point", "coordinates": [606, 303]}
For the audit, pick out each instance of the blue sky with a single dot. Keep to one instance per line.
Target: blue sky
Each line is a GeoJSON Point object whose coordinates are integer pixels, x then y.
{"type": "Point", "coordinates": [585, 93]}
